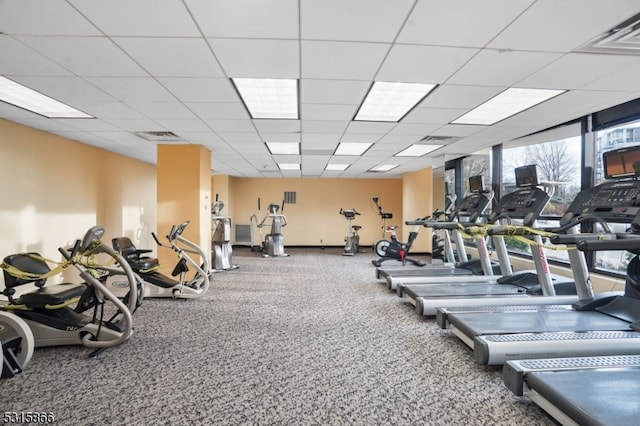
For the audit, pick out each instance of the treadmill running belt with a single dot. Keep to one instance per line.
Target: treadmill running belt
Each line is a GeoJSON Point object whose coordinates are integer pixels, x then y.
{"type": "Point", "coordinates": [483, 323]}
{"type": "Point", "coordinates": [592, 397]}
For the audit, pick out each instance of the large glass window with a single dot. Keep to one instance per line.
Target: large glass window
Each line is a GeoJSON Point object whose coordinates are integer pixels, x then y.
{"type": "Point", "coordinates": [620, 136]}
{"type": "Point", "coordinates": [557, 159]}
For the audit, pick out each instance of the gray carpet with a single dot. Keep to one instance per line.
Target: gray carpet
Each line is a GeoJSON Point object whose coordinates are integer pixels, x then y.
{"type": "Point", "coordinates": [312, 339]}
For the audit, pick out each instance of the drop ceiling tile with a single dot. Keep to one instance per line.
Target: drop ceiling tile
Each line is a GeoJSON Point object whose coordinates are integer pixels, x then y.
{"type": "Point", "coordinates": [258, 58]}
{"type": "Point", "coordinates": [139, 18]}
{"type": "Point", "coordinates": [501, 68]}
{"type": "Point", "coordinates": [338, 92]}
{"type": "Point", "coordinates": [280, 137]}
{"type": "Point", "coordinates": [18, 59]}
{"type": "Point", "coordinates": [354, 20]}
{"type": "Point", "coordinates": [277, 126]}
{"type": "Point", "coordinates": [360, 138]}
{"type": "Point", "coordinates": [136, 124]}
{"type": "Point", "coordinates": [340, 60]}
{"type": "Point", "coordinates": [423, 64]}
{"type": "Point", "coordinates": [171, 57]}
{"type": "Point", "coordinates": [70, 90]}
{"type": "Point", "coordinates": [36, 17]}
{"type": "Point", "coordinates": [179, 124]}
{"type": "Point", "coordinates": [234, 138]}
{"type": "Point", "coordinates": [627, 79]}
{"type": "Point", "coordinates": [320, 139]}
{"type": "Point", "coordinates": [562, 26]}
{"type": "Point", "coordinates": [230, 125]}
{"type": "Point", "coordinates": [108, 110]}
{"type": "Point", "coordinates": [230, 18]}
{"type": "Point", "coordinates": [321, 112]}
{"type": "Point", "coordinates": [324, 127]}
{"type": "Point", "coordinates": [89, 124]}
{"type": "Point", "coordinates": [577, 69]}
{"type": "Point", "coordinates": [433, 115]}
{"type": "Point", "coordinates": [86, 56]}
{"type": "Point", "coordinates": [199, 89]}
{"type": "Point", "coordinates": [162, 109]}
{"type": "Point", "coordinates": [459, 97]}
{"type": "Point", "coordinates": [218, 110]}
{"type": "Point", "coordinates": [370, 127]}
{"type": "Point", "coordinates": [415, 129]}
{"type": "Point", "coordinates": [132, 90]}
{"type": "Point", "coordinates": [469, 23]}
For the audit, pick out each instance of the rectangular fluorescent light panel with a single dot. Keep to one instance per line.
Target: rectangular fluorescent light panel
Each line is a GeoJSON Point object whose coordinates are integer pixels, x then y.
{"type": "Point", "coordinates": [269, 98]}
{"type": "Point", "coordinates": [417, 150]}
{"type": "Point", "coordinates": [284, 148]}
{"type": "Point", "coordinates": [289, 166]}
{"type": "Point", "coordinates": [23, 97]}
{"type": "Point", "coordinates": [383, 168]}
{"type": "Point", "coordinates": [355, 148]}
{"type": "Point", "coordinates": [336, 167]}
{"type": "Point", "coordinates": [504, 105]}
{"type": "Point", "coordinates": [388, 101]}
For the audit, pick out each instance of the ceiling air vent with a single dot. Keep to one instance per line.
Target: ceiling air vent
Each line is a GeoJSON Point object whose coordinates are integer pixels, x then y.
{"type": "Point", "coordinates": [623, 39]}
{"type": "Point", "coordinates": [159, 136]}
{"type": "Point", "coordinates": [440, 139]}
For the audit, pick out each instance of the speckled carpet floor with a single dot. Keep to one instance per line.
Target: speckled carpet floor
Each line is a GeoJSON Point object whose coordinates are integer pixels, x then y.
{"type": "Point", "coordinates": [311, 339]}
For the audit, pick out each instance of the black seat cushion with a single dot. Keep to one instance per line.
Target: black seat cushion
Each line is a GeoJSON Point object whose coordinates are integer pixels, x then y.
{"type": "Point", "coordinates": [138, 263]}
{"type": "Point", "coordinates": [53, 295]}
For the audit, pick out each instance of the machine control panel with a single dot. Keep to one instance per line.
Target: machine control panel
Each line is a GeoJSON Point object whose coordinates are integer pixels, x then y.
{"type": "Point", "coordinates": [525, 204]}
{"type": "Point", "coordinates": [613, 201]}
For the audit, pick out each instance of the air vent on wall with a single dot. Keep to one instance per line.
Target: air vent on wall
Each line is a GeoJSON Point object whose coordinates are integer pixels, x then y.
{"type": "Point", "coordinates": [440, 139]}
{"type": "Point", "coordinates": [159, 136]}
{"type": "Point", "coordinates": [623, 39]}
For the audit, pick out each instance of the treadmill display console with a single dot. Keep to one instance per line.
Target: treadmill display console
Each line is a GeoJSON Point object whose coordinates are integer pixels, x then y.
{"type": "Point", "coordinates": [612, 201]}
{"type": "Point", "coordinates": [525, 204]}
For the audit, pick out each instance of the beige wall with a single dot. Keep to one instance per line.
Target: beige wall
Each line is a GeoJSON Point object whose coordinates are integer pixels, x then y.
{"type": "Point", "coordinates": [417, 202]}
{"type": "Point", "coordinates": [315, 218]}
{"type": "Point", "coordinates": [54, 189]}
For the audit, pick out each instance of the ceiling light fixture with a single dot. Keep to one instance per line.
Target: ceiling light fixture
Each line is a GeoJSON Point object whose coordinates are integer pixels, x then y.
{"type": "Point", "coordinates": [383, 168]}
{"type": "Point", "coordinates": [268, 97]}
{"type": "Point", "coordinates": [336, 167]}
{"type": "Point", "coordinates": [389, 101]}
{"type": "Point", "coordinates": [25, 98]}
{"type": "Point", "coordinates": [504, 105]}
{"type": "Point", "coordinates": [283, 148]}
{"type": "Point", "coordinates": [417, 150]}
{"type": "Point", "coordinates": [354, 148]}
{"type": "Point", "coordinates": [289, 166]}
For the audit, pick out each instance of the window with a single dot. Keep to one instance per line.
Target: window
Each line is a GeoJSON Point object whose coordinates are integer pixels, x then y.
{"type": "Point", "coordinates": [621, 136]}
{"type": "Point", "coordinates": [557, 155]}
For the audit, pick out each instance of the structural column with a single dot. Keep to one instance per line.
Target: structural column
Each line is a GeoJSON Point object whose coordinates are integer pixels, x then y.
{"type": "Point", "coordinates": [183, 193]}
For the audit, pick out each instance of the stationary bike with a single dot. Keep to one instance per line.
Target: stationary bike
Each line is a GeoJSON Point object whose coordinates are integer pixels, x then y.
{"type": "Point", "coordinates": [394, 249]}
{"type": "Point", "coordinates": [273, 243]}
{"type": "Point", "coordinates": [352, 239]}
{"type": "Point", "coordinates": [55, 313]}
{"type": "Point", "coordinates": [222, 251]}
{"type": "Point", "coordinates": [160, 285]}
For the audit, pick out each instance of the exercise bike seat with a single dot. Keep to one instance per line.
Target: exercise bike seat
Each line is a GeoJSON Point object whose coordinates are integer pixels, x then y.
{"type": "Point", "coordinates": [49, 297]}
{"type": "Point", "coordinates": [140, 264]}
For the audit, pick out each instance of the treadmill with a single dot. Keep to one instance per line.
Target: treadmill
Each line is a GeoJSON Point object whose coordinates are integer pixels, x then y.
{"type": "Point", "coordinates": [524, 287]}
{"type": "Point", "coordinates": [585, 390]}
{"type": "Point", "coordinates": [468, 211]}
{"type": "Point", "coordinates": [591, 325]}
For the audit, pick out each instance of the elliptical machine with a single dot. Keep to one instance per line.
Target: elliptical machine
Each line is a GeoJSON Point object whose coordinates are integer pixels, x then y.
{"type": "Point", "coordinates": [221, 249]}
{"type": "Point", "coordinates": [273, 243]}
{"type": "Point", "coordinates": [54, 314]}
{"type": "Point", "coordinates": [160, 285]}
{"type": "Point", "coordinates": [352, 240]}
